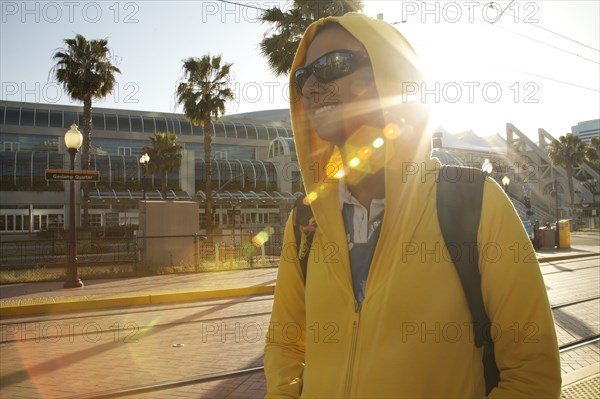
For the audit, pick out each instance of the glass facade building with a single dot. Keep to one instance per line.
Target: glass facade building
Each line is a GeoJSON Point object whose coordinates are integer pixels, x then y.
{"type": "Point", "coordinates": [31, 141]}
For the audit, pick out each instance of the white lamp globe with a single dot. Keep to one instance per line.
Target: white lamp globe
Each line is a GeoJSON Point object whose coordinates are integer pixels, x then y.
{"type": "Point", "coordinates": [487, 166]}
{"type": "Point", "coordinates": [73, 138]}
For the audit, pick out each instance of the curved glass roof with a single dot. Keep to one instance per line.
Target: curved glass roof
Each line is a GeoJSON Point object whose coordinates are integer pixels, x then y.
{"type": "Point", "coordinates": [116, 121]}
{"type": "Point", "coordinates": [251, 196]}
{"type": "Point", "coordinates": [136, 195]}
{"type": "Point", "coordinates": [283, 146]}
{"type": "Point", "coordinates": [446, 158]}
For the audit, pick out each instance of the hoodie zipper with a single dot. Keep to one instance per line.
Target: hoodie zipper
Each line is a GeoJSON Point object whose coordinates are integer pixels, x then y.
{"type": "Point", "coordinates": [355, 324]}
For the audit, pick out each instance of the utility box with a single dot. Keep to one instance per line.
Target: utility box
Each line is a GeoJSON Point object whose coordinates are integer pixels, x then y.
{"type": "Point", "coordinates": [564, 234]}
{"type": "Point", "coordinates": [168, 231]}
{"type": "Point", "coordinates": [547, 240]}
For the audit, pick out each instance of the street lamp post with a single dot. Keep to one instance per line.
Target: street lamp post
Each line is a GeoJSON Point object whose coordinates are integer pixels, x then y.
{"type": "Point", "coordinates": [556, 200]}
{"type": "Point", "coordinates": [234, 206]}
{"type": "Point", "coordinates": [144, 159]}
{"type": "Point", "coordinates": [505, 183]}
{"type": "Point", "coordinates": [73, 140]}
{"type": "Point", "coordinates": [594, 189]}
{"type": "Point", "coordinates": [592, 185]}
{"type": "Point", "coordinates": [487, 167]}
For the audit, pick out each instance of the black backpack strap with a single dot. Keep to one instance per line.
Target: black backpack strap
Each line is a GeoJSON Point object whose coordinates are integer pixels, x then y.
{"type": "Point", "coordinates": [459, 198]}
{"type": "Point", "coordinates": [302, 218]}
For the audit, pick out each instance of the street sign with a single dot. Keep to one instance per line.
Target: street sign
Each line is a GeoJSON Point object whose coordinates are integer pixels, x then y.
{"type": "Point", "coordinates": [72, 175]}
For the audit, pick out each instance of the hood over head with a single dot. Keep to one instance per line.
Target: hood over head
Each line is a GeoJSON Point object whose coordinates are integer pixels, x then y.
{"type": "Point", "coordinates": [396, 73]}
{"type": "Point", "coordinates": [402, 147]}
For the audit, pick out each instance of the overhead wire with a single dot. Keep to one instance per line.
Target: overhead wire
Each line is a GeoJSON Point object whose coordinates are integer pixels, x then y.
{"type": "Point", "coordinates": [553, 80]}
{"type": "Point", "coordinates": [243, 5]}
{"type": "Point", "coordinates": [499, 17]}
{"type": "Point", "coordinates": [547, 44]}
{"type": "Point", "coordinates": [538, 26]}
{"type": "Point", "coordinates": [503, 11]}
{"type": "Point", "coordinates": [436, 5]}
{"type": "Point", "coordinates": [517, 33]}
{"type": "Point", "coordinates": [524, 72]}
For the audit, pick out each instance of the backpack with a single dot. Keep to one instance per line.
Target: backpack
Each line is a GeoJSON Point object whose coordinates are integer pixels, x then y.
{"type": "Point", "coordinates": [459, 192]}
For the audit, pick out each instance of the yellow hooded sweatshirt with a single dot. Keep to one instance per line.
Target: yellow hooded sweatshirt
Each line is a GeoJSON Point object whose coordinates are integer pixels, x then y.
{"type": "Point", "coordinates": [412, 336]}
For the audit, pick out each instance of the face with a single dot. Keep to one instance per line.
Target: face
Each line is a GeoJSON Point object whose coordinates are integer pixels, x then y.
{"type": "Point", "coordinates": [338, 108]}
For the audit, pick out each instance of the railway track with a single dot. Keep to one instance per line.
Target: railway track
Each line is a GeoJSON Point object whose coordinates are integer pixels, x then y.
{"type": "Point", "coordinates": [202, 379]}
{"type": "Point", "coordinates": [245, 372]}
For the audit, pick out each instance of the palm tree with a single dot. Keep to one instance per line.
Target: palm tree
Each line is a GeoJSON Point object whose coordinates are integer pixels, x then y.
{"type": "Point", "coordinates": [203, 90]}
{"type": "Point", "coordinates": [85, 71]}
{"type": "Point", "coordinates": [165, 156]}
{"type": "Point", "coordinates": [592, 152]}
{"type": "Point", "coordinates": [280, 47]}
{"type": "Point", "coordinates": [568, 152]}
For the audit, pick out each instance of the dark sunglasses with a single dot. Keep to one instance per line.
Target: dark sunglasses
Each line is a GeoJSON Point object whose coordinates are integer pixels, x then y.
{"type": "Point", "coordinates": [330, 66]}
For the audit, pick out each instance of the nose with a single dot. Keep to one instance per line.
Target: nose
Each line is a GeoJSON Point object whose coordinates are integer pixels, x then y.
{"type": "Point", "coordinates": [314, 91]}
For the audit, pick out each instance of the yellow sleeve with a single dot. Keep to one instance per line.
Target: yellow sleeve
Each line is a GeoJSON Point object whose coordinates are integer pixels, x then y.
{"type": "Point", "coordinates": [284, 348]}
{"type": "Point", "coordinates": [516, 301]}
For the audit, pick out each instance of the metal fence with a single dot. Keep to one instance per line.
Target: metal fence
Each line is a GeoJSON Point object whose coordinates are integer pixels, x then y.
{"type": "Point", "coordinates": [52, 252]}
{"type": "Point", "coordinates": [218, 252]}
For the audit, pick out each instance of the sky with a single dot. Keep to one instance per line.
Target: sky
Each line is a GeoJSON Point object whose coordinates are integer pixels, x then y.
{"type": "Point", "coordinates": [534, 64]}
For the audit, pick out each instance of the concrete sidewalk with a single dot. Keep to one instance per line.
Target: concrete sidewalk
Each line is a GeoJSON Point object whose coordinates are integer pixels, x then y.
{"type": "Point", "coordinates": [51, 297]}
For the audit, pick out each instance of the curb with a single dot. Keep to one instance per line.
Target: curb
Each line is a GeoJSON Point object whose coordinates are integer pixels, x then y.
{"type": "Point", "coordinates": [544, 259]}
{"type": "Point", "coordinates": [18, 308]}
{"type": "Point", "coordinates": [95, 302]}
{"type": "Point", "coordinates": [579, 375]}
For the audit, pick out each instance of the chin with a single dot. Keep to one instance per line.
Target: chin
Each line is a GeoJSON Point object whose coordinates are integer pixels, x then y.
{"type": "Point", "coordinates": [329, 128]}
{"type": "Point", "coordinates": [330, 132]}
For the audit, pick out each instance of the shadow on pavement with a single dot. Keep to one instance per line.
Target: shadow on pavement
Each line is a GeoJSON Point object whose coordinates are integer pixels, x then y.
{"type": "Point", "coordinates": [81, 355]}
{"type": "Point", "coordinates": [575, 326]}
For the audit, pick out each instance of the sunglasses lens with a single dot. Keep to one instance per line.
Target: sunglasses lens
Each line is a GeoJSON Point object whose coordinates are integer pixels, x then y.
{"type": "Point", "coordinates": [301, 75]}
{"type": "Point", "coordinates": [333, 66]}
{"type": "Point", "coordinates": [328, 67]}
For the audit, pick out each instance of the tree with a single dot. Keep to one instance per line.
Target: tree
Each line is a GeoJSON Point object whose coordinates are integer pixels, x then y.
{"type": "Point", "coordinates": [289, 26]}
{"type": "Point", "coordinates": [568, 152]}
{"type": "Point", "coordinates": [85, 71]}
{"type": "Point", "coordinates": [203, 90]}
{"type": "Point", "coordinates": [165, 156]}
{"type": "Point", "coordinates": [592, 152]}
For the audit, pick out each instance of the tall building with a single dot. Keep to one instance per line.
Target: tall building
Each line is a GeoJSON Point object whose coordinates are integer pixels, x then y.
{"type": "Point", "coordinates": [586, 130]}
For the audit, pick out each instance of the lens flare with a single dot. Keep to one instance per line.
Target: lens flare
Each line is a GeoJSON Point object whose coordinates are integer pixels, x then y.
{"type": "Point", "coordinates": [365, 152]}
{"type": "Point", "coordinates": [312, 196]}
{"type": "Point", "coordinates": [391, 131]}
{"type": "Point", "coordinates": [354, 162]}
{"type": "Point", "coordinates": [378, 142]}
{"type": "Point", "coordinates": [262, 237]}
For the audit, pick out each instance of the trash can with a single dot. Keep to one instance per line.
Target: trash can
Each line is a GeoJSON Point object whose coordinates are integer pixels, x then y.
{"type": "Point", "coordinates": [564, 234]}
{"type": "Point", "coordinates": [547, 238]}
